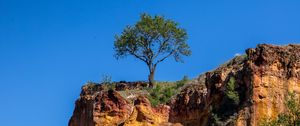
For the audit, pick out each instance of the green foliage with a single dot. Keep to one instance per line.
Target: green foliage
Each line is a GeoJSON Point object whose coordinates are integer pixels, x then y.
{"type": "Point", "coordinates": [163, 91]}
{"type": "Point", "coordinates": [152, 40]}
{"type": "Point", "coordinates": [180, 83]}
{"type": "Point", "coordinates": [293, 105]}
{"type": "Point", "coordinates": [106, 81]}
{"type": "Point", "coordinates": [153, 101]}
{"type": "Point", "coordinates": [282, 120]}
{"type": "Point", "coordinates": [160, 95]}
{"type": "Point", "coordinates": [154, 95]}
{"type": "Point", "coordinates": [152, 36]}
{"type": "Point", "coordinates": [215, 119]}
{"type": "Point", "coordinates": [231, 93]}
{"type": "Point", "coordinates": [290, 118]}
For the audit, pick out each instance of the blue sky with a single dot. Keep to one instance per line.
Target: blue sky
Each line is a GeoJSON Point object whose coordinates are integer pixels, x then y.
{"type": "Point", "coordinates": [50, 48]}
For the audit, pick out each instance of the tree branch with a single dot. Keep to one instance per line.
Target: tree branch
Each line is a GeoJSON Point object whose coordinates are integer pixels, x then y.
{"type": "Point", "coordinates": [143, 58]}
{"type": "Point", "coordinates": [160, 47]}
{"type": "Point", "coordinates": [162, 59]}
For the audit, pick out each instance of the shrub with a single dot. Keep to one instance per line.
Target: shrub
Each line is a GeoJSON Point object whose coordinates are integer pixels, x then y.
{"type": "Point", "coordinates": [231, 93]}
{"type": "Point", "coordinates": [106, 79]}
{"type": "Point", "coordinates": [107, 82]}
{"type": "Point", "coordinates": [180, 83]}
{"type": "Point", "coordinates": [215, 119]}
{"type": "Point", "coordinates": [153, 101]}
{"type": "Point", "coordinates": [160, 94]}
{"type": "Point", "coordinates": [168, 92]}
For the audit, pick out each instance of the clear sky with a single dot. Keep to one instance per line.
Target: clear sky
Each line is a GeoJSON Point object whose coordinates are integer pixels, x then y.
{"type": "Point", "coordinates": [50, 48]}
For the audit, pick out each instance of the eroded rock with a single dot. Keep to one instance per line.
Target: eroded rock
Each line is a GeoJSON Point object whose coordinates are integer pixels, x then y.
{"type": "Point", "coordinates": [263, 77]}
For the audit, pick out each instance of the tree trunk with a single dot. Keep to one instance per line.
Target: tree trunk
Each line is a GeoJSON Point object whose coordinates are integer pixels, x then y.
{"type": "Point", "coordinates": [151, 77]}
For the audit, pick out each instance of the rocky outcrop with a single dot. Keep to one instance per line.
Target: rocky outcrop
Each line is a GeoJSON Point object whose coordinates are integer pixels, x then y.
{"type": "Point", "coordinates": [190, 107]}
{"type": "Point", "coordinates": [84, 106]}
{"type": "Point", "coordinates": [262, 79]}
{"type": "Point", "coordinates": [198, 102]}
{"type": "Point", "coordinates": [275, 71]}
{"type": "Point", "coordinates": [145, 115]}
{"type": "Point", "coordinates": [99, 107]}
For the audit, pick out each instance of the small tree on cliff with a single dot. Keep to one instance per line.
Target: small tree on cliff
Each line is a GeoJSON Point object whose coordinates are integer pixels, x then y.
{"type": "Point", "coordinates": [152, 40]}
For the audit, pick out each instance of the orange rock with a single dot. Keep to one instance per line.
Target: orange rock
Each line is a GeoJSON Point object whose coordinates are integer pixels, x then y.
{"type": "Point", "coordinates": [263, 79]}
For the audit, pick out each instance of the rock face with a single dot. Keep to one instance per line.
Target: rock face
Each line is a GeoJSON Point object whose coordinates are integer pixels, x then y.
{"type": "Point", "coordinates": [99, 107]}
{"type": "Point", "coordinates": [198, 101]}
{"type": "Point", "coordinates": [143, 114]}
{"type": "Point", "coordinates": [275, 71]}
{"type": "Point", "coordinates": [190, 107]}
{"type": "Point", "coordinates": [262, 79]}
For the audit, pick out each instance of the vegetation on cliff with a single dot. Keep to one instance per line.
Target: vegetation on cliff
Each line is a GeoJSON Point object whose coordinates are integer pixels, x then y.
{"type": "Point", "coordinates": [163, 91]}
{"type": "Point", "coordinates": [231, 92]}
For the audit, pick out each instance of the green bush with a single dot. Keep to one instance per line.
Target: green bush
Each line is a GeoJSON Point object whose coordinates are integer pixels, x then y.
{"type": "Point", "coordinates": [153, 101]}
{"type": "Point", "coordinates": [180, 83]}
{"type": "Point", "coordinates": [106, 80]}
{"type": "Point", "coordinates": [216, 121]}
{"type": "Point", "coordinates": [160, 94]}
{"type": "Point", "coordinates": [231, 93]}
{"type": "Point", "coordinates": [168, 92]}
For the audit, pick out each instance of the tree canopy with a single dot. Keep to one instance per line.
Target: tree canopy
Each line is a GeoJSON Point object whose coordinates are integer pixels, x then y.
{"type": "Point", "coordinates": [152, 40]}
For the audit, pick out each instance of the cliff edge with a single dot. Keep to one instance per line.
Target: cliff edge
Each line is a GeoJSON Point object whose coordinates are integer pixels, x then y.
{"type": "Point", "coordinates": [241, 92]}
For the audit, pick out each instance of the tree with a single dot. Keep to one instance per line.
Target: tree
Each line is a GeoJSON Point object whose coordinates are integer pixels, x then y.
{"type": "Point", "coordinates": [152, 40]}
{"type": "Point", "coordinates": [231, 93]}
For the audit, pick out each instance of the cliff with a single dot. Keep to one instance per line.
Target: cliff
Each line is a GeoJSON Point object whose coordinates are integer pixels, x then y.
{"type": "Point", "coordinates": [99, 107]}
{"type": "Point", "coordinates": [241, 92]}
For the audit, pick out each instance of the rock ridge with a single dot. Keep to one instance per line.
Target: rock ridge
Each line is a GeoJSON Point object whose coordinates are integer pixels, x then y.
{"type": "Point", "coordinates": [262, 79]}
